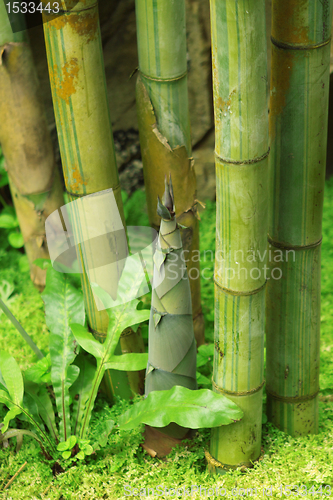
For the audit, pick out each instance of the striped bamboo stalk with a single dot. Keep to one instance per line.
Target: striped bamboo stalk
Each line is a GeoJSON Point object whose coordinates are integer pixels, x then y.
{"type": "Point", "coordinates": [172, 347]}
{"type": "Point", "coordinates": [76, 68]}
{"type": "Point", "coordinates": [164, 126]}
{"type": "Point", "coordinates": [130, 342]}
{"type": "Point", "coordinates": [241, 124]}
{"type": "Point", "coordinates": [26, 143]}
{"type": "Point", "coordinates": [301, 33]}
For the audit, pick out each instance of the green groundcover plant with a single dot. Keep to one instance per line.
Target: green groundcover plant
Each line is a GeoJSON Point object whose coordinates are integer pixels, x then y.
{"type": "Point", "coordinates": [66, 375]}
{"type": "Point", "coordinates": [57, 394]}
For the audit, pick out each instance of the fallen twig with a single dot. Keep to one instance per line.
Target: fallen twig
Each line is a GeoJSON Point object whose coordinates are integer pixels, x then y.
{"type": "Point", "coordinates": [15, 475]}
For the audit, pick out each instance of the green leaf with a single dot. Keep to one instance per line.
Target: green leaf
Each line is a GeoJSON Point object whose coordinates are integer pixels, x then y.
{"type": "Point", "coordinates": [87, 340]}
{"type": "Point", "coordinates": [66, 454]}
{"type": "Point", "coordinates": [37, 372]}
{"type": "Point", "coordinates": [202, 380]}
{"type": "Point", "coordinates": [190, 409]}
{"type": "Point", "coordinates": [24, 264]}
{"type": "Point", "coordinates": [102, 433]}
{"type": "Point", "coordinates": [130, 362]}
{"type": "Point", "coordinates": [6, 290]}
{"type": "Point", "coordinates": [8, 221]}
{"type": "Point", "coordinates": [16, 239]}
{"type": "Point", "coordinates": [63, 446]}
{"type": "Point", "coordinates": [88, 449]}
{"type": "Point", "coordinates": [10, 415]}
{"type": "Point", "coordinates": [12, 376]}
{"type": "Point", "coordinates": [132, 277]}
{"type": "Point", "coordinates": [71, 441]}
{"type": "Point", "coordinates": [42, 263]}
{"type": "Point", "coordinates": [80, 455]}
{"type": "Point", "coordinates": [63, 306]}
{"type": "Point", "coordinates": [162, 211]}
{"type": "Point", "coordinates": [206, 350]}
{"type": "Point", "coordinates": [44, 404]}
{"type": "Point", "coordinates": [122, 316]}
{"type": "Point", "coordinates": [3, 179]}
{"type": "Point", "coordinates": [81, 390]}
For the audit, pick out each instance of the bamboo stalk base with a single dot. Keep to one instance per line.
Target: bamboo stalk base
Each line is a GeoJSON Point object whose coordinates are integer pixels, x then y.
{"type": "Point", "coordinates": [216, 467]}
{"type": "Point", "coordinates": [238, 444]}
{"type": "Point", "coordinates": [297, 419]}
{"type": "Point", "coordinates": [292, 341]}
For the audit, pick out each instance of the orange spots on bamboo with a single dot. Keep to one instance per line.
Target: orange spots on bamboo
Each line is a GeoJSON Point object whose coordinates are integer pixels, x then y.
{"type": "Point", "coordinates": [66, 86]}
{"type": "Point", "coordinates": [56, 21]}
{"type": "Point", "coordinates": [85, 24]}
{"type": "Point", "coordinates": [224, 106]}
{"type": "Point", "coordinates": [77, 181]}
{"type": "Point", "coordinates": [290, 22]}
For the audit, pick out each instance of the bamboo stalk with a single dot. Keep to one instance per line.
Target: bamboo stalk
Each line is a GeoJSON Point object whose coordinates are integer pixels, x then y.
{"type": "Point", "coordinates": [131, 341]}
{"type": "Point", "coordinates": [26, 143]}
{"type": "Point", "coordinates": [301, 33]}
{"type": "Point", "coordinates": [241, 131]}
{"type": "Point", "coordinates": [76, 68]}
{"type": "Point", "coordinates": [164, 126]}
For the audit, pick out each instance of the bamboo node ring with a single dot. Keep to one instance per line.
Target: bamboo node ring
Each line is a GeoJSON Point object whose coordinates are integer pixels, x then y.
{"type": "Point", "coordinates": [243, 162]}
{"type": "Point", "coordinates": [163, 80]}
{"type": "Point", "coordinates": [291, 399]}
{"type": "Point", "coordinates": [238, 293]}
{"type": "Point", "coordinates": [234, 393]}
{"type": "Point", "coordinates": [80, 195]}
{"type": "Point", "coordinates": [289, 46]}
{"type": "Point", "coordinates": [286, 246]}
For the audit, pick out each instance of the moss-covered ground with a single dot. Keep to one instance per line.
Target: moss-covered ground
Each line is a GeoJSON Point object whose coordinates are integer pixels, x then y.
{"type": "Point", "coordinates": [123, 469]}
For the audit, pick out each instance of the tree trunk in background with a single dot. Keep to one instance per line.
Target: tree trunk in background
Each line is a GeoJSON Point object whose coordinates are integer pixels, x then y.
{"type": "Point", "coordinates": [301, 33]}
{"type": "Point", "coordinates": [164, 126]}
{"type": "Point", "coordinates": [33, 178]}
{"type": "Point", "coordinates": [77, 76]}
{"type": "Point", "coordinates": [241, 131]}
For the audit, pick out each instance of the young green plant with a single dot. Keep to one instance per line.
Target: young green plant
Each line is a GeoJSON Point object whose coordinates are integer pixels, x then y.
{"type": "Point", "coordinates": [172, 347]}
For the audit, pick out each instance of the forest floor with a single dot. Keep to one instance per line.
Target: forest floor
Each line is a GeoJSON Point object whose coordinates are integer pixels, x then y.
{"type": "Point", "coordinates": [301, 466]}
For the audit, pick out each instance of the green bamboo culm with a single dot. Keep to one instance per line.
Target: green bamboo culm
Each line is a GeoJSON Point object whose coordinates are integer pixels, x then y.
{"type": "Point", "coordinates": [77, 76]}
{"type": "Point", "coordinates": [164, 126]}
{"type": "Point", "coordinates": [241, 131]}
{"type": "Point", "coordinates": [172, 346]}
{"type": "Point", "coordinates": [301, 32]}
{"type": "Point", "coordinates": [34, 180]}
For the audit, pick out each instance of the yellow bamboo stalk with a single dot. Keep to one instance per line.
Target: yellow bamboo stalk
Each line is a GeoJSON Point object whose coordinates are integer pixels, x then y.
{"type": "Point", "coordinates": [26, 143]}
{"type": "Point", "coordinates": [76, 68]}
